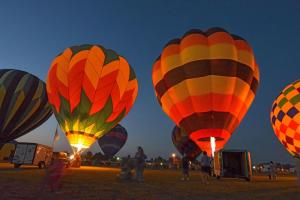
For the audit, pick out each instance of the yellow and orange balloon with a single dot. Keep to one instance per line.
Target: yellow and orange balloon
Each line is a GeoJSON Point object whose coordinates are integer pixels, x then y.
{"type": "Point", "coordinates": [285, 118]}
{"type": "Point", "coordinates": [90, 89]}
{"type": "Point", "coordinates": [205, 82]}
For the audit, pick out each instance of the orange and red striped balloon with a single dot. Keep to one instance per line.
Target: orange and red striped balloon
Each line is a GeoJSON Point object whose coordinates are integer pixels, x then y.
{"type": "Point", "coordinates": [205, 82]}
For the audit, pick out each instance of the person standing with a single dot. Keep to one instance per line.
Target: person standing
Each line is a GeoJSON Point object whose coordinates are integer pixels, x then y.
{"type": "Point", "coordinates": [272, 171]}
{"type": "Point", "coordinates": [205, 167]}
{"type": "Point", "coordinates": [140, 164]}
{"type": "Point", "coordinates": [297, 162]}
{"type": "Point", "coordinates": [126, 168]}
{"type": "Point", "coordinates": [53, 175]}
{"type": "Point", "coordinates": [185, 168]}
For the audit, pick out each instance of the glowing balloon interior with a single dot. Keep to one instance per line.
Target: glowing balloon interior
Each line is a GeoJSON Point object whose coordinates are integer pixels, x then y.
{"type": "Point", "coordinates": [90, 89]}
{"type": "Point", "coordinates": [205, 82]}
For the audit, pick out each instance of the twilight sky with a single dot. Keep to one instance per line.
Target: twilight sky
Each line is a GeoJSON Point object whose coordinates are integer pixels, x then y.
{"type": "Point", "coordinates": [32, 33]}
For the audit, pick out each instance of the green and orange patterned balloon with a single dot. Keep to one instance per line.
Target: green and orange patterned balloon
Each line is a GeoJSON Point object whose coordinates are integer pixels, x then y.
{"type": "Point", "coordinates": [285, 118]}
{"type": "Point", "coordinates": [90, 89]}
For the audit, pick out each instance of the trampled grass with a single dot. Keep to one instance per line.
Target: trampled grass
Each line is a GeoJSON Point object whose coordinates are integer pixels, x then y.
{"type": "Point", "coordinates": [102, 183]}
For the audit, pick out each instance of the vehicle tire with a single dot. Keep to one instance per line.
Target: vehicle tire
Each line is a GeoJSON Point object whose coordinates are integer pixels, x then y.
{"type": "Point", "coordinates": [42, 165]}
{"type": "Point", "coordinates": [17, 165]}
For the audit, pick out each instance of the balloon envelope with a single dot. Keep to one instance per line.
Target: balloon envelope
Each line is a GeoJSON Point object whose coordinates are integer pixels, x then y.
{"type": "Point", "coordinates": [90, 89]}
{"type": "Point", "coordinates": [23, 103]}
{"type": "Point", "coordinates": [285, 118]}
{"type": "Point", "coordinates": [184, 144]}
{"type": "Point", "coordinates": [113, 141]}
{"type": "Point", "coordinates": [205, 82]}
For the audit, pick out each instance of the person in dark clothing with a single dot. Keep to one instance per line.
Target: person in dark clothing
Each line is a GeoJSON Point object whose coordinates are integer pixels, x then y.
{"type": "Point", "coordinates": [205, 167]}
{"type": "Point", "coordinates": [53, 175]}
{"type": "Point", "coordinates": [185, 168]}
{"type": "Point", "coordinates": [272, 171]}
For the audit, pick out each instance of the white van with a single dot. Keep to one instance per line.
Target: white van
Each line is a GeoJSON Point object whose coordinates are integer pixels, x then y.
{"type": "Point", "coordinates": [32, 154]}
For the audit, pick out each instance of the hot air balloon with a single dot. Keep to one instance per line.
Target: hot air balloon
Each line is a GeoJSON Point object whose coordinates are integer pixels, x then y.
{"type": "Point", "coordinates": [184, 144]}
{"type": "Point", "coordinates": [113, 141]}
{"type": "Point", "coordinates": [205, 82]}
{"type": "Point", "coordinates": [90, 89]}
{"type": "Point", "coordinates": [285, 120]}
{"type": "Point", "coordinates": [23, 104]}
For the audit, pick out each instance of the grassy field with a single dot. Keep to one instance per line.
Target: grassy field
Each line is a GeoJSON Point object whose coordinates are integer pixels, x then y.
{"type": "Point", "coordinates": [102, 183]}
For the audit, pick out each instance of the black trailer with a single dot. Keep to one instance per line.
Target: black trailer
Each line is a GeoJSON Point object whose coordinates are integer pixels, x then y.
{"type": "Point", "coordinates": [232, 164]}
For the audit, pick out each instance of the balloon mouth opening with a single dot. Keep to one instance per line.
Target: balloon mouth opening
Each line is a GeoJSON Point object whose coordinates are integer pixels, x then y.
{"type": "Point", "coordinates": [208, 139]}
{"type": "Point", "coordinates": [80, 141]}
{"type": "Point", "coordinates": [78, 148]}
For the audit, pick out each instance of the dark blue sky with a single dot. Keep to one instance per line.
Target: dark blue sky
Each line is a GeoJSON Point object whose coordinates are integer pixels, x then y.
{"type": "Point", "coordinates": [32, 33]}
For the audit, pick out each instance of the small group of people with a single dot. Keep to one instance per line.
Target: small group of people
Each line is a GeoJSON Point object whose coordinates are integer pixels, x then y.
{"type": "Point", "coordinates": [205, 168]}
{"type": "Point", "coordinates": [137, 163]}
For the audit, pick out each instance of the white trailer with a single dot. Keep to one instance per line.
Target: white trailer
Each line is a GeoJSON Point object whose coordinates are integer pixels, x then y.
{"type": "Point", "coordinates": [32, 154]}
